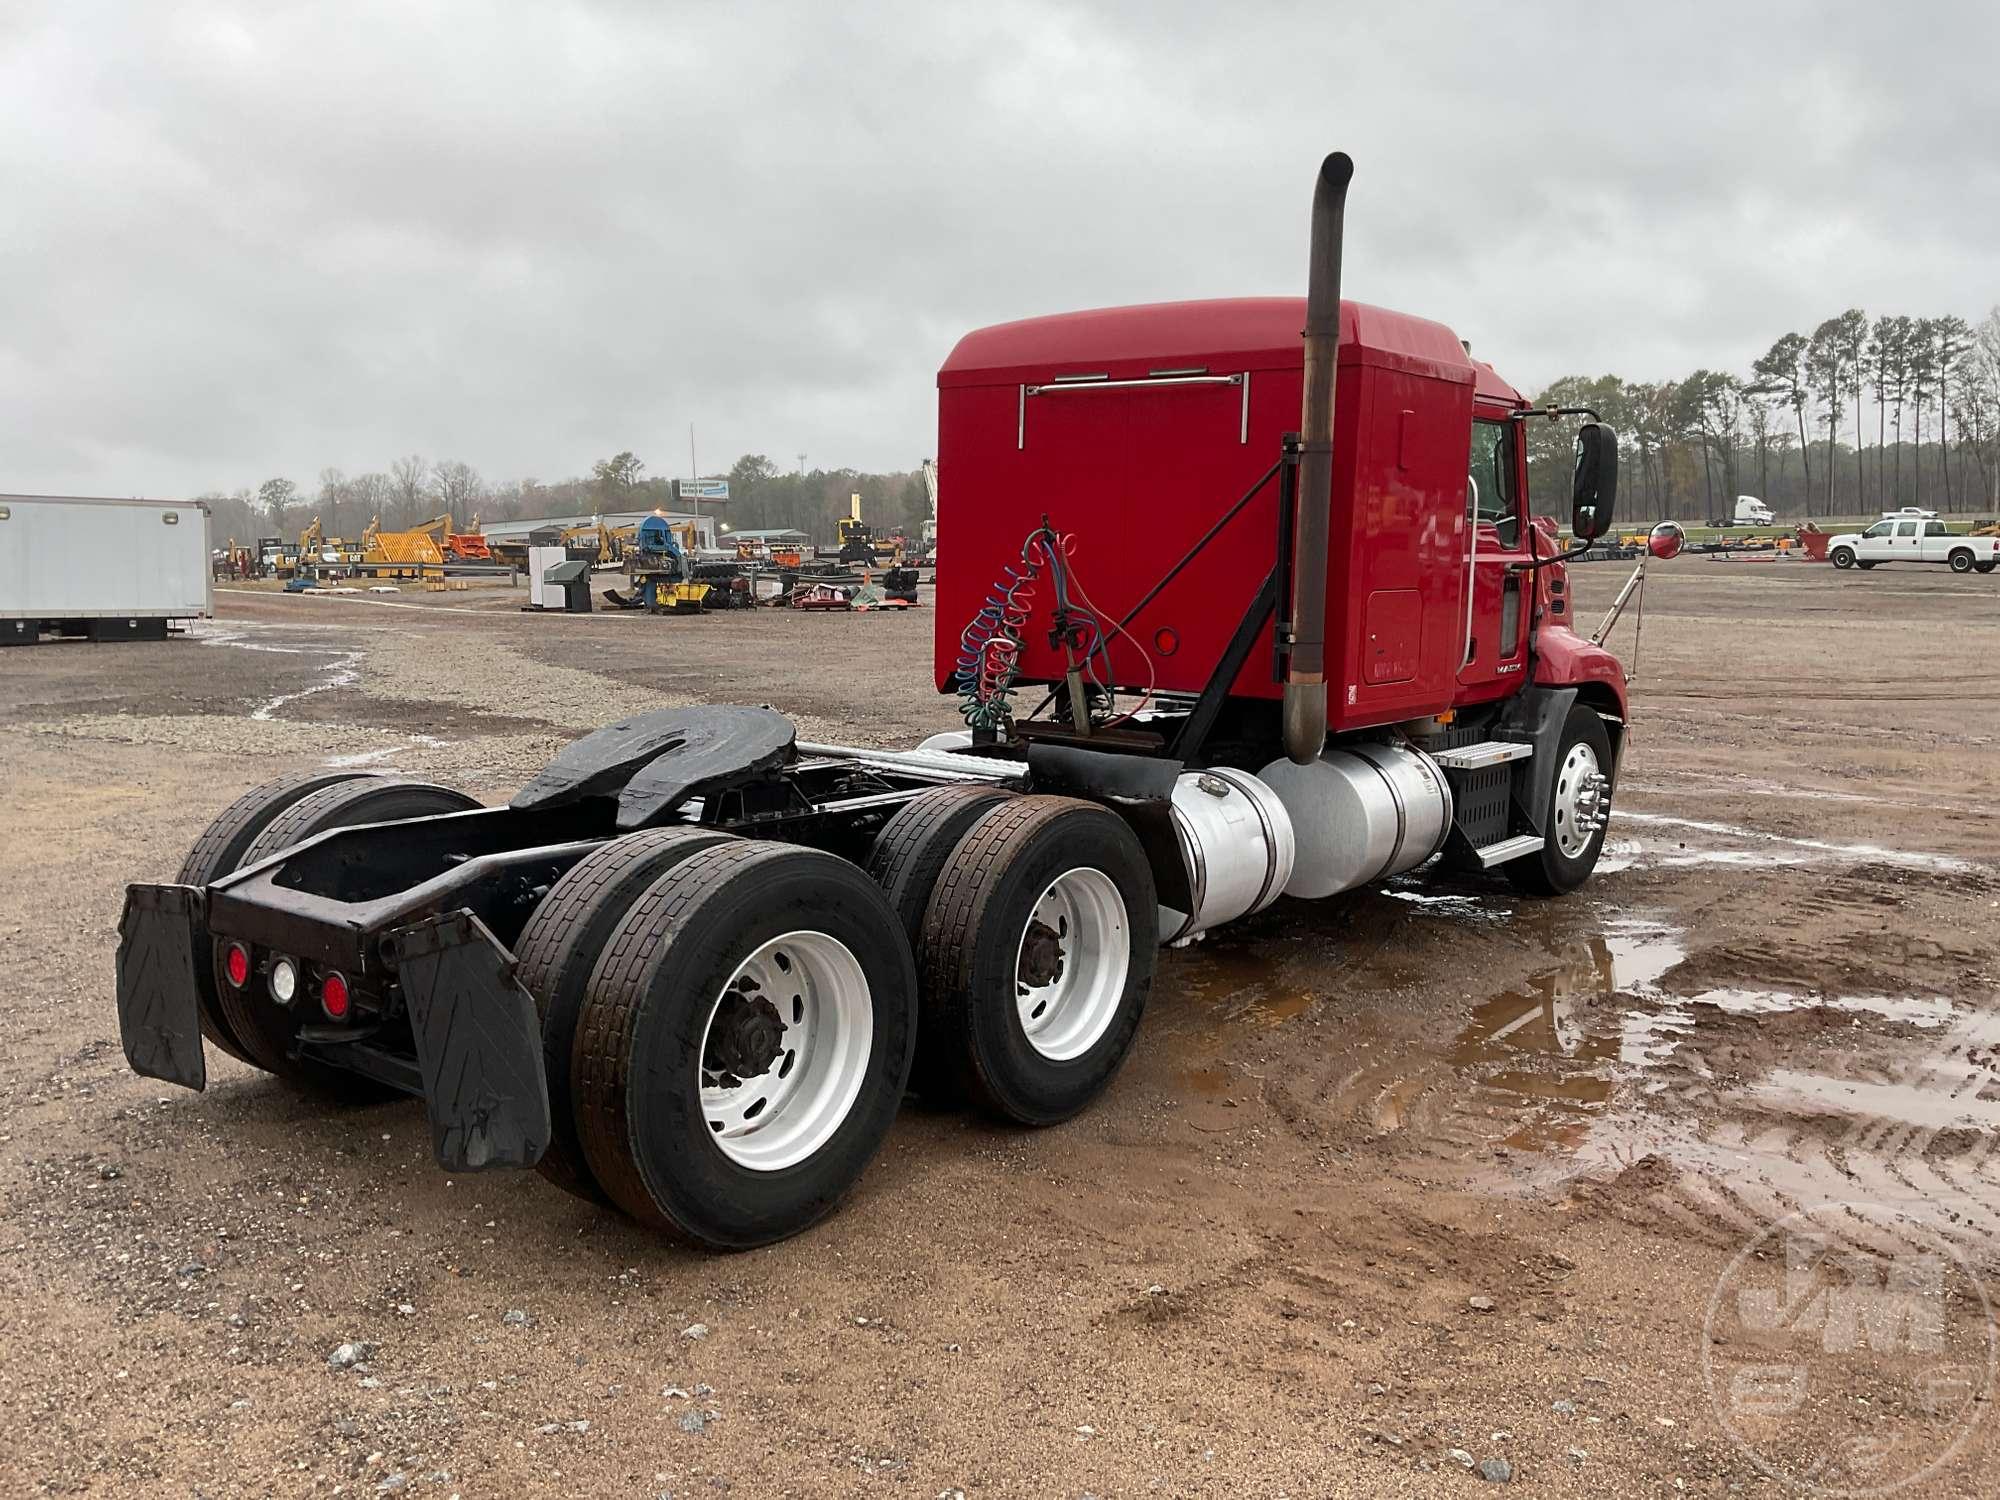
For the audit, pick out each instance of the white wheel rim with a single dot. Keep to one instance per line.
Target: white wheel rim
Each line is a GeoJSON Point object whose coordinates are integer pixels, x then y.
{"type": "Point", "coordinates": [813, 1042]}
{"type": "Point", "coordinates": [1582, 800]}
{"type": "Point", "coordinates": [1070, 964]}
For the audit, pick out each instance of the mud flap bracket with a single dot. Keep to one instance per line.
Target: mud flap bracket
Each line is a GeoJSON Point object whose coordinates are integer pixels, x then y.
{"type": "Point", "coordinates": [159, 1024]}
{"type": "Point", "coordinates": [478, 1042]}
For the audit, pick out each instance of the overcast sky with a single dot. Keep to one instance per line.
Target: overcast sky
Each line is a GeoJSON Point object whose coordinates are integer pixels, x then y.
{"type": "Point", "coordinates": [246, 240]}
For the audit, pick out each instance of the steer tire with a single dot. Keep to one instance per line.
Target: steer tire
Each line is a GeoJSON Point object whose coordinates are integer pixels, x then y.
{"type": "Point", "coordinates": [1961, 561]}
{"type": "Point", "coordinates": [1841, 557]}
{"type": "Point", "coordinates": [644, 1101]}
{"type": "Point", "coordinates": [997, 883]}
{"type": "Point", "coordinates": [265, 1028]}
{"type": "Point", "coordinates": [1864, 566]}
{"type": "Point", "coordinates": [219, 852]}
{"type": "Point", "coordinates": [559, 947]}
{"type": "Point", "coordinates": [1549, 871]}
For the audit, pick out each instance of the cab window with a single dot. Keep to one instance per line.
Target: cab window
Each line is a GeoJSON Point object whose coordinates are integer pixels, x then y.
{"type": "Point", "coordinates": [1906, 528]}
{"type": "Point", "coordinates": [1490, 496]}
{"type": "Point", "coordinates": [1933, 528]}
{"type": "Point", "coordinates": [1880, 528]}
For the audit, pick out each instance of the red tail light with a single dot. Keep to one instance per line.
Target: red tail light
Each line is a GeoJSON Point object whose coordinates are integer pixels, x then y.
{"type": "Point", "coordinates": [333, 997]}
{"type": "Point", "coordinates": [236, 964]}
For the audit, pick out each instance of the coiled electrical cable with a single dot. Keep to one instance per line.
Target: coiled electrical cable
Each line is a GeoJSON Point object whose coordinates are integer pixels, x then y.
{"type": "Point", "coordinates": [990, 647]}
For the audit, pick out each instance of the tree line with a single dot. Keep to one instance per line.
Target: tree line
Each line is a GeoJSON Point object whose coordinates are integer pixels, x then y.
{"type": "Point", "coordinates": [1857, 416]}
{"type": "Point", "coordinates": [413, 489]}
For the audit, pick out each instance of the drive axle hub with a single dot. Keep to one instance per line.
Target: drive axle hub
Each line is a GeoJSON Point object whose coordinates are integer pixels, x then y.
{"type": "Point", "coordinates": [1041, 955]}
{"type": "Point", "coordinates": [746, 1036]}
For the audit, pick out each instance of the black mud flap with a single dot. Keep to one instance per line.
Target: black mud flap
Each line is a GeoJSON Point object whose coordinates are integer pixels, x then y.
{"type": "Point", "coordinates": [158, 1020]}
{"type": "Point", "coordinates": [479, 1045]}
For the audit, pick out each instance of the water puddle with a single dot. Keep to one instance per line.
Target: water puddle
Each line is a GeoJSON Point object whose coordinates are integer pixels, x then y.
{"type": "Point", "coordinates": [1595, 1053]}
{"type": "Point", "coordinates": [1543, 1061]}
{"type": "Point", "coordinates": [1750, 786]}
{"type": "Point", "coordinates": [341, 672]}
{"type": "Point", "coordinates": [1212, 1080]}
{"type": "Point", "coordinates": [1764, 851]}
{"type": "Point", "coordinates": [341, 669]}
{"type": "Point", "coordinates": [1234, 985]}
{"type": "Point", "coordinates": [1973, 1105]}
{"type": "Point", "coordinates": [1911, 1010]}
{"type": "Point", "coordinates": [1467, 907]}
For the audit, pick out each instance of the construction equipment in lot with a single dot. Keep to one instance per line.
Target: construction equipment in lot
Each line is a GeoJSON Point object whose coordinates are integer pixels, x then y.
{"type": "Point", "coordinates": [410, 554]}
{"type": "Point", "coordinates": [606, 544]}
{"type": "Point", "coordinates": [659, 565]}
{"type": "Point", "coordinates": [691, 967]}
{"type": "Point", "coordinates": [319, 552]}
{"type": "Point", "coordinates": [466, 546]}
{"type": "Point", "coordinates": [859, 546]}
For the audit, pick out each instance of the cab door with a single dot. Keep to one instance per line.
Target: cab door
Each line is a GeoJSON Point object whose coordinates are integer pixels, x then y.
{"type": "Point", "coordinates": [1496, 625]}
{"type": "Point", "coordinates": [1878, 543]}
{"type": "Point", "coordinates": [1904, 546]}
{"type": "Point", "coordinates": [1936, 543]}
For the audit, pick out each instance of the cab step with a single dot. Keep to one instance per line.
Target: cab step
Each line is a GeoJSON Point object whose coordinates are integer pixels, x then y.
{"type": "Point", "coordinates": [1498, 854]}
{"type": "Point", "coordinates": [1479, 757]}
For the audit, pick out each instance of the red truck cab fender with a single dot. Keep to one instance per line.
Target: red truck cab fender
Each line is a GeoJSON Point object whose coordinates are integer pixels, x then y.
{"type": "Point", "coordinates": [1566, 661]}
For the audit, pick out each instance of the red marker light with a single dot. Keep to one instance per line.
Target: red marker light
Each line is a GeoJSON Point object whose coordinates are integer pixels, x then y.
{"type": "Point", "coordinates": [333, 997]}
{"type": "Point", "coordinates": [236, 964]}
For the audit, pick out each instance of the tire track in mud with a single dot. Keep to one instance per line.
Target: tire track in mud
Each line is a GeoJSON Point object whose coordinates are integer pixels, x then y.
{"type": "Point", "coordinates": [1710, 1090]}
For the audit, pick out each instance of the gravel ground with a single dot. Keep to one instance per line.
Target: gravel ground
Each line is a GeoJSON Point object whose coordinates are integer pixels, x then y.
{"type": "Point", "coordinates": [1415, 1191]}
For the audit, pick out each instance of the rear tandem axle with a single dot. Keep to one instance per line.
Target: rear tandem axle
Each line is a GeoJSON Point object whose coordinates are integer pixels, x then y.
{"type": "Point", "coordinates": [680, 970]}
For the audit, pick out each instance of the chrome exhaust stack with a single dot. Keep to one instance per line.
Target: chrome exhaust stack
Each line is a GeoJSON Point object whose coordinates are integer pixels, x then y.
{"type": "Point", "coordinates": [1305, 669]}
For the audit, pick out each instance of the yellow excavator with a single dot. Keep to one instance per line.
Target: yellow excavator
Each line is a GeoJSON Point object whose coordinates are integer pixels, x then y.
{"type": "Point", "coordinates": [610, 542]}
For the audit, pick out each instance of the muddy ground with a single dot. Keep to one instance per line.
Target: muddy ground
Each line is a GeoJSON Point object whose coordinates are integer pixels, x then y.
{"type": "Point", "coordinates": [1423, 1177]}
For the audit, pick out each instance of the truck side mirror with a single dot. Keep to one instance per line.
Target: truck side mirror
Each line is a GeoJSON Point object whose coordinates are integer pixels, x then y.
{"type": "Point", "coordinates": [1595, 493]}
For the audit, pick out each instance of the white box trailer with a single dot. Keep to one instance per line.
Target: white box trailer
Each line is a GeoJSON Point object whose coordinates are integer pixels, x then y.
{"type": "Point", "coordinates": [106, 569]}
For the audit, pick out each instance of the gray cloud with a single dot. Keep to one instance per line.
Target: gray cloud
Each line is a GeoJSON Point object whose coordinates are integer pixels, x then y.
{"type": "Point", "coordinates": [241, 240]}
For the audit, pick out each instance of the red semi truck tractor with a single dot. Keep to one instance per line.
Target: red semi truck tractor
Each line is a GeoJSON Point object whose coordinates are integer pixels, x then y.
{"type": "Point", "coordinates": [1232, 614]}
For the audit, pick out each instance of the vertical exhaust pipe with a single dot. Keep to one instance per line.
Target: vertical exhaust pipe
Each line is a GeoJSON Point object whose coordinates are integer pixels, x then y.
{"type": "Point", "coordinates": [1305, 670]}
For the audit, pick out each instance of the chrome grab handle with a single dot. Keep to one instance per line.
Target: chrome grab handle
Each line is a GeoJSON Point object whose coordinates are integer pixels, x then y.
{"type": "Point", "coordinates": [1117, 385]}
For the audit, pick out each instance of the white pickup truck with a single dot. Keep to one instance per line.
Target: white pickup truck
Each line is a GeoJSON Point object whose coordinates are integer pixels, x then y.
{"type": "Point", "coordinates": [1913, 536]}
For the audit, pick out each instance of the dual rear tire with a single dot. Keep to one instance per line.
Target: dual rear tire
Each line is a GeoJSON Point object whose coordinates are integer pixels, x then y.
{"type": "Point", "coordinates": [729, 1025]}
{"type": "Point", "coordinates": [741, 1045]}
{"type": "Point", "coordinates": [1037, 956]}
{"type": "Point", "coordinates": [246, 1022]}
{"type": "Point", "coordinates": [1036, 929]}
